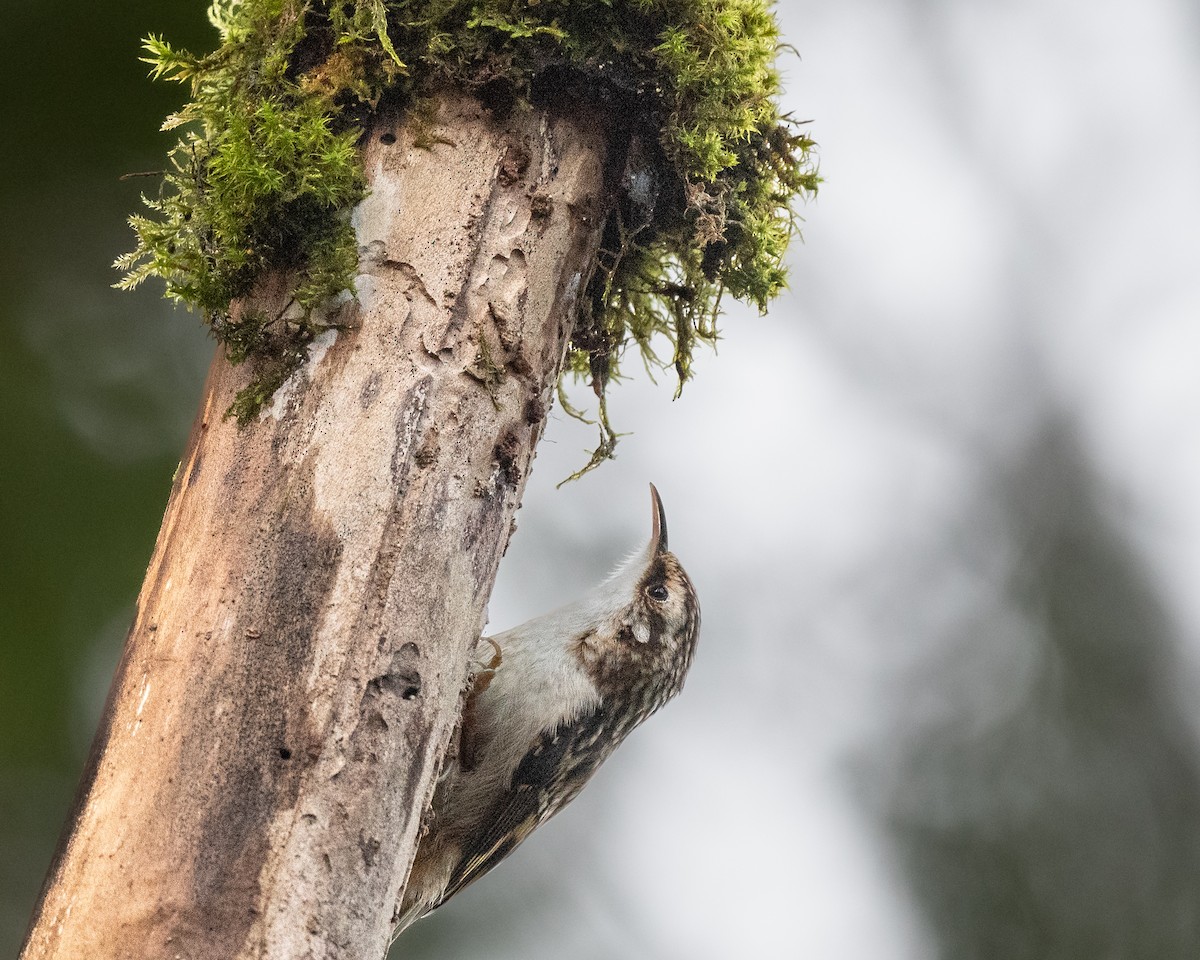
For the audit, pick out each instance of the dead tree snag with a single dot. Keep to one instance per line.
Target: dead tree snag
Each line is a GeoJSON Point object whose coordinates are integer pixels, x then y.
{"type": "Point", "coordinates": [293, 674]}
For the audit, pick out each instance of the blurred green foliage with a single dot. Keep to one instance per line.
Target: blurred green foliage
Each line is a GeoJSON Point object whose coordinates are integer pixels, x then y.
{"type": "Point", "coordinates": [77, 520]}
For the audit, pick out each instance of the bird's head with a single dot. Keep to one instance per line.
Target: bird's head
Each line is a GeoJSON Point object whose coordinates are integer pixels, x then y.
{"type": "Point", "coordinates": [647, 619]}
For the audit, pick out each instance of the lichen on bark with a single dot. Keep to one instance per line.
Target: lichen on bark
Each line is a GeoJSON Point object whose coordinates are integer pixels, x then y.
{"type": "Point", "coordinates": [268, 169]}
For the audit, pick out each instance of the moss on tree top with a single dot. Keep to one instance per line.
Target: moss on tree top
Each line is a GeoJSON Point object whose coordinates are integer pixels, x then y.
{"type": "Point", "coordinates": [267, 168]}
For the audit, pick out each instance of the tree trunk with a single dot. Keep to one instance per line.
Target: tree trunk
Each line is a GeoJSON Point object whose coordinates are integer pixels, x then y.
{"type": "Point", "coordinates": [293, 675]}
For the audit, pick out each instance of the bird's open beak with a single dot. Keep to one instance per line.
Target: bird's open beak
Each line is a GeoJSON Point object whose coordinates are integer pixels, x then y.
{"type": "Point", "coordinates": [658, 535]}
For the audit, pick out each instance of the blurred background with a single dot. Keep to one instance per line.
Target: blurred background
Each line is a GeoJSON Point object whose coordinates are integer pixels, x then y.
{"type": "Point", "coordinates": [942, 506]}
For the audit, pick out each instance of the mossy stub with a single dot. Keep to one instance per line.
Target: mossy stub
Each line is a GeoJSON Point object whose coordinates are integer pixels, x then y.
{"type": "Point", "coordinates": [267, 170]}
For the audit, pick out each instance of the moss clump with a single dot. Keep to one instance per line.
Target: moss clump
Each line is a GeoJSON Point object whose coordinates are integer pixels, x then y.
{"type": "Point", "coordinates": [263, 178]}
{"type": "Point", "coordinates": [267, 172]}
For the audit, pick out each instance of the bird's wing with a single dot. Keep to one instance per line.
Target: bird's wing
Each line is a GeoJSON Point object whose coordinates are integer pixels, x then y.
{"type": "Point", "coordinates": [554, 770]}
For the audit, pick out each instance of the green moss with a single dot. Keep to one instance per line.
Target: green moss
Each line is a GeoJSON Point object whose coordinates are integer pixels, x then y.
{"type": "Point", "coordinates": [267, 170]}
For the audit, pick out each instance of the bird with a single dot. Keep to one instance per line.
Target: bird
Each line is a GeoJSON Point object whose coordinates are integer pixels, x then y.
{"type": "Point", "coordinates": [554, 700]}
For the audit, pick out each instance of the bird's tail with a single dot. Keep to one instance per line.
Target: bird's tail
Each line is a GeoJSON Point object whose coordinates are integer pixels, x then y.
{"type": "Point", "coordinates": [410, 916]}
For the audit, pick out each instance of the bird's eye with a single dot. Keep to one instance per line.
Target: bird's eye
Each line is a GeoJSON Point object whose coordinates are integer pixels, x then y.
{"type": "Point", "coordinates": [657, 592]}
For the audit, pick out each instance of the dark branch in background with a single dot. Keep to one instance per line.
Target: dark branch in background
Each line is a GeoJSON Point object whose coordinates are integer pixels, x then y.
{"type": "Point", "coordinates": [1066, 825]}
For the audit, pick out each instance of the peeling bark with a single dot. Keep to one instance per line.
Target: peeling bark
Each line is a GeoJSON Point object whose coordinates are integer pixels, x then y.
{"type": "Point", "coordinates": [294, 671]}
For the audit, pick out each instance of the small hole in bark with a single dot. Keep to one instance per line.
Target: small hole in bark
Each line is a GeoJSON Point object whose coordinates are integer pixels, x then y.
{"type": "Point", "coordinates": [403, 683]}
{"type": "Point", "coordinates": [285, 753]}
{"type": "Point", "coordinates": [499, 97]}
{"type": "Point", "coordinates": [387, 139]}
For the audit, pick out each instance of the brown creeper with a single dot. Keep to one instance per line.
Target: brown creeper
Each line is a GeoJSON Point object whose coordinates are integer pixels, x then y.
{"type": "Point", "coordinates": [561, 693]}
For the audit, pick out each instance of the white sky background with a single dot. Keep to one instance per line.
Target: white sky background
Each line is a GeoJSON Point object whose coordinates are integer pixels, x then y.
{"type": "Point", "coordinates": [1007, 241]}
{"type": "Point", "coordinates": [1008, 237]}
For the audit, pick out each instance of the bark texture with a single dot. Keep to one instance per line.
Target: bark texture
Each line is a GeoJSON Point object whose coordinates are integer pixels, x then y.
{"type": "Point", "coordinates": [293, 674]}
